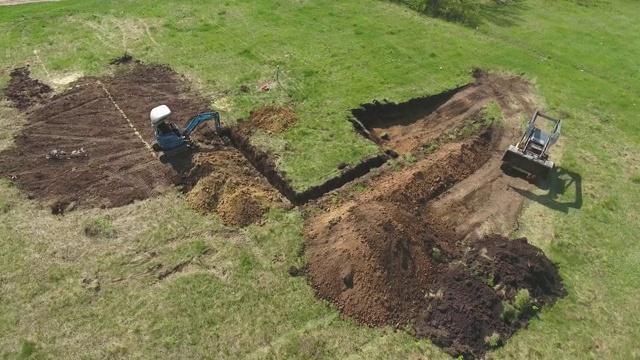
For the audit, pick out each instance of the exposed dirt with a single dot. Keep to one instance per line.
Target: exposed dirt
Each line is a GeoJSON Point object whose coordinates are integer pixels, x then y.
{"type": "Point", "coordinates": [90, 147]}
{"type": "Point", "coordinates": [224, 182]}
{"type": "Point", "coordinates": [23, 91]}
{"type": "Point", "coordinates": [271, 118]}
{"type": "Point", "coordinates": [378, 255]}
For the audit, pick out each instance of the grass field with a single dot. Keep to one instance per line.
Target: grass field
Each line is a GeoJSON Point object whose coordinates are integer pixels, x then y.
{"type": "Point", "coordinates": [87, 285]}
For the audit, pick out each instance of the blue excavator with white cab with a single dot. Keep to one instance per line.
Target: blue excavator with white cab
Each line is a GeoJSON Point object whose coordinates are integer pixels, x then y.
{"type": "Point", "coordinates": [170, 139]}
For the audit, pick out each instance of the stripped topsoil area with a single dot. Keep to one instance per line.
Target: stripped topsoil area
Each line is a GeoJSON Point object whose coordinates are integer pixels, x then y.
{"type": "Point", "coordinates": [90, 146]}
{"type": "Point", "coordinates": [387, 255]}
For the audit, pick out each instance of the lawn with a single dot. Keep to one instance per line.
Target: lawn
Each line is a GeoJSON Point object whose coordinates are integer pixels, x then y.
{"type": "Point", "coordinates": [98, 283]}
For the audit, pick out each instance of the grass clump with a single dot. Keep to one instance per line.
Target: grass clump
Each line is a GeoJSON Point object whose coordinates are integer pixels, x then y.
{"type": "Point", "coordinates": [491, 114]}
{"type": "Point", "coordinates": [521, 305]}
{"type": "Point", "coordinates": [5, 206]}
{"type": "Point", "coordinates": [99, 227]}
{"type": "Point", "coordinates": [492, 340]}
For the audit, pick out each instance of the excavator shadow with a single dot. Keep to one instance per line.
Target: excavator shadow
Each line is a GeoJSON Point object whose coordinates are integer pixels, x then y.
{"type": "Point", "coordinates": [559, 187]}
{"type": "Point", "coordinates": [182, 162]}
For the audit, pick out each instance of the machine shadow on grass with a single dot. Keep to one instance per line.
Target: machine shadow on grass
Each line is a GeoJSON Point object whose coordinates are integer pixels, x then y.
{"type": "Point", "coordinates": [557, 184]}
{"type": "Point", "coordinates": [183, 162]}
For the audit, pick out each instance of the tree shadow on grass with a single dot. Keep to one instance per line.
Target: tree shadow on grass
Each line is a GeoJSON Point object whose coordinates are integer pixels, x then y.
{"type": "Point", "coordinates": [557, 185]}
{"type": "Point", "coordinates": [470, 13]}
{"type": "Point", "coordinates": [504, 14]}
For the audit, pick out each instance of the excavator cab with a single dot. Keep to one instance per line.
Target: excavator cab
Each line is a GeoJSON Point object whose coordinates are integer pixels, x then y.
{"type": "Point", "coordinates": [531, 154]}
{"type": "Point", "coordinates": [169, 138]}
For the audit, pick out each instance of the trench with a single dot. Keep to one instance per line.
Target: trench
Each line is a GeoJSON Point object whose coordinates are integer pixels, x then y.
{"type": "Point", "coordinates": [266, 166]}
{"type": "Point", "coordinates": [387, 114]}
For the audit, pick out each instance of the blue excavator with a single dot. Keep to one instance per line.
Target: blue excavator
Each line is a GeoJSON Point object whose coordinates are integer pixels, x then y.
{"type": "Point", "coordinates": [170, 139]}
{"type": "Point", "coordinates": [531, 154]}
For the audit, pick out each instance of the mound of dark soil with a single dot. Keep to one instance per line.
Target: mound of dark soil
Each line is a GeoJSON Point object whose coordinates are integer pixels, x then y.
{"type": "Point", "coordinates": [23, 91]}
{"type": "Point", "coordinates": [514, 265]}
{"type": "Point", "coordinates": [466, 300]}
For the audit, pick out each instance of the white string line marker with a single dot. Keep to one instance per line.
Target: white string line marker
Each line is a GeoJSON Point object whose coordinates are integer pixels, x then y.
{"type": "Point", "coordinates": [127, 118]}
{"type": "Point", "coordinates": [42, 64]}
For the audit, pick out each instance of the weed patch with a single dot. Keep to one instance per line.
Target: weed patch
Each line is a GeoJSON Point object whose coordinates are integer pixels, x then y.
{"type": "Point", "coordinates": [100, 227]}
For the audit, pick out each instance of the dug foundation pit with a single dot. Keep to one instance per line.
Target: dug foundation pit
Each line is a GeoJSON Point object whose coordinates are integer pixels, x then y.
{"type": "Point", "coordinates": [393, 253]}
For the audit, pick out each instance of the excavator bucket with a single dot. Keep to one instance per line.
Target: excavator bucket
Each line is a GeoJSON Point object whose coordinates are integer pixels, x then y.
{"type": "Point", "coordinates": [527, 164]}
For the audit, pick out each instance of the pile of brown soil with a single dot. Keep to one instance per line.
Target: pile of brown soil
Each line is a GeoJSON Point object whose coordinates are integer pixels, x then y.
{"type": "Point", "coordinates": [224, 182]}
{"type": "Point", "coordinates": [24, 91]}
{"type": "Point", "coordinates": [271, 118]}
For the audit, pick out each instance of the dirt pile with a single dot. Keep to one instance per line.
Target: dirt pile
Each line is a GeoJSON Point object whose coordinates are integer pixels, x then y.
{"type": "Point", "coordinates": [271, 118]}
{"type": "Point", "coordinates": [23, 91]}
{"type": "Point", "coordinates": [224, 182]}
{"type": "Point", "coordinates": [479, 295]}
{"type": "Point", "coordinates": [390, 255]}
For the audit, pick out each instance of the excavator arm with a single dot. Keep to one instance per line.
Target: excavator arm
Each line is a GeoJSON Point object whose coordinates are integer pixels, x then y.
{"type": "Point", "coordinates": [199, 119]}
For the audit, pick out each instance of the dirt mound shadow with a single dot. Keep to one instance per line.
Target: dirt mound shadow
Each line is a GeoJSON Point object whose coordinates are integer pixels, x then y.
{"type": "Point", "coordinates": [393, 255]}
{"type": "Point", "coordinates": [23, 91]}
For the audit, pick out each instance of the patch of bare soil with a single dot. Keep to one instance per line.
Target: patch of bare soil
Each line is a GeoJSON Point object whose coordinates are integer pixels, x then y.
{"type": "Point", "coordinates": [23, 91]}
{"type": "Point", "coordinates": [90, 146]}
{"type": "Point", "coordinates": [387, 255]}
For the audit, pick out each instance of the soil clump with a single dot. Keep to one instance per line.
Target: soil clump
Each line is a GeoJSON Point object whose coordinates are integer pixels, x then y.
{"type": "Point", "coordinates": [24, 91]}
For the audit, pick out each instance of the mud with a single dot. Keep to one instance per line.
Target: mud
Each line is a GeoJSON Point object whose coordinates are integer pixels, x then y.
{"type": "Point", "coordinates": [387, 255]}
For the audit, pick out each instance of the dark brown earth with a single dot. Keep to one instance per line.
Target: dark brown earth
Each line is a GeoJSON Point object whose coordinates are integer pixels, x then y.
{"type": "Point", "coordinates": [24, 91]}
{"type": "Point", "coordinates": [90, 146]}
{"type": "Point", "coordinates": [386, 255]}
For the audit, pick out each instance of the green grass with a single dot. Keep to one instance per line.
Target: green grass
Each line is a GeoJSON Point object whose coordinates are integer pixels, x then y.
{"type": "Point", "coordinates": [65, 295]}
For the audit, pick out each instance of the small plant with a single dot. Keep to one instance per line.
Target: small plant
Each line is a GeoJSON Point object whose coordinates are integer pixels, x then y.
{"type": "Point", "coordinates": [4, 206]}
{"type": "Point", "coordinates": [436, 254]}
{"type": "Point", "coordinates": [521, 305]}
{"type": "Point", "coordinates": [395, 165]}
{"type": "Point", "coordinates": [335, 198]}
{"type": "Point", "coordinates": [490, 281]}
{"type": "Point", "coordinates": [410, 158]}
{"type": "Point", "coordinates": [492, 340]}
{"type": "Point", "coordinates": [522, 301]}
{"type": "Point", "coordinates": [359, 187]}
{"type": "Point", "coordinates": [27, 349]}
{"type": "Point", "coordinates": [100, 227]}
{"type": "Point", "coordinates": [492, 114]}
{"type": "Point", "coordinates": [509, 313]}
{"type": "Point", "coordinates": [430, 149]}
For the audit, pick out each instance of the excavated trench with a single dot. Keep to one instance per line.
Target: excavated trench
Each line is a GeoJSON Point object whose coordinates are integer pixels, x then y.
{"type": "Point", "coordinates": [265, 164]}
